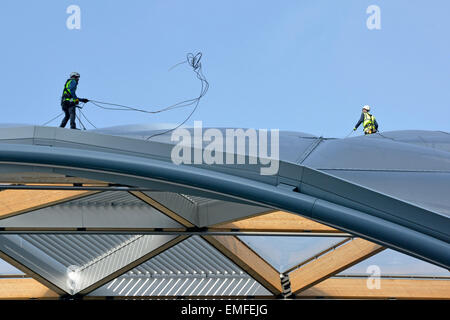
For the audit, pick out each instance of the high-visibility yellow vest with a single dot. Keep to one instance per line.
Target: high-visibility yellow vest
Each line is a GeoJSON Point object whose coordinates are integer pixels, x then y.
{"type": "Point", "coordinates": [67, 94]}
{"type": "Point", "coordinates": [369, 123]}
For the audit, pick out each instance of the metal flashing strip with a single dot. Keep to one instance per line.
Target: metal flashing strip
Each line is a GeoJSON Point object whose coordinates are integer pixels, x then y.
{"type": "Point", "coordinates": [187, 232]}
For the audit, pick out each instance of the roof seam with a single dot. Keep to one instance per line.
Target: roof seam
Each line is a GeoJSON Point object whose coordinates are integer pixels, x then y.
{"type": "Point", "coordinates": [310, 149]}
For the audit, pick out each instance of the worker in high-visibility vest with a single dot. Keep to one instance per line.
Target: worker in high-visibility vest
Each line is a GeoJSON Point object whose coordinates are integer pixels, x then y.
{"type": "Point", "coordinates": [369, 122]}
{"type": "Point", "coordinates": [69, 100]}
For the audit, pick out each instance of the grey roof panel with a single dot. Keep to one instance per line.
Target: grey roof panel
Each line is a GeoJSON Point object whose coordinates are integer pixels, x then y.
{"type": "Point", "coordinates": [439, 140]}
{"type": "Point", "coordinates": [428, 190]}
{"type": "Point", "coordinates": [374, 153]}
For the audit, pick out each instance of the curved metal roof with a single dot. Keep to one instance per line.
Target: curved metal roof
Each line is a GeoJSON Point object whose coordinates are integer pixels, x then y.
{"type": "Point", "coordinates": [388, 188]}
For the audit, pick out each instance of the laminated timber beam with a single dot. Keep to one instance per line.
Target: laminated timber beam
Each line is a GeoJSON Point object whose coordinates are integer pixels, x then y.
{"type": "Point", "coordinates": [341, 288]}
{"type": "Point", "coordinates": [276, 221]}
{"type": "Point", "coordinates": [24, 288]}
{"type": "Point", "coordinates": [331, 263]}
{"type": "Point", "coordinates": [15, 202]}
{"type": "Point", "coordinates": [157, 205]}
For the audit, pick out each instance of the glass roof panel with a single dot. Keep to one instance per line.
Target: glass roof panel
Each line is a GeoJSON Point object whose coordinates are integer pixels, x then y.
{"type": "Point", "coordinates": [393, 263]}
{"type": "Point", "coordinates": [6, 268]}
{"type": "Point", "coordinates": [286, 252]}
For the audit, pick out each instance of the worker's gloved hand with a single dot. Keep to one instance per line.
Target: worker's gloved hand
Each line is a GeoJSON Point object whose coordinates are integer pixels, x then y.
{"type": "Point", "coordinates": [84, 100]}
{"type": "Point", "coordinates": [76, 101]}
{"type": "Point", "coordinates": [354, 129]}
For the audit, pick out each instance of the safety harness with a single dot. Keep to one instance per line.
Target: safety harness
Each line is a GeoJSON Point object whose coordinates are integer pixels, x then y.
{"type": "Point", "coordinates": [369, 123]}
{"type": "Point", "coordinates": [67, 94]}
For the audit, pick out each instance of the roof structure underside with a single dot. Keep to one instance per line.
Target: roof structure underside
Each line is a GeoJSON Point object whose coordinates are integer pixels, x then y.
{"type": "Point", "coordinates": [106, 213]}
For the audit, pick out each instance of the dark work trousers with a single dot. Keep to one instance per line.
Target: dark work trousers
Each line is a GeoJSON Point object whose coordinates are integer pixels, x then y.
{"type": "Point", "coordinates": [69, 111]}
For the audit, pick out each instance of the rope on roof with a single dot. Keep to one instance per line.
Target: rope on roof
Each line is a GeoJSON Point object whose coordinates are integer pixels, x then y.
{"type": "Point", "coordinates": [193, 61]}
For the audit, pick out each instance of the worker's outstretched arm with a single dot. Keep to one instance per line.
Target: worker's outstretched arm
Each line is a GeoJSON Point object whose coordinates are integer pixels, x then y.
{"type": "Point", "coordinates": [361, 119]}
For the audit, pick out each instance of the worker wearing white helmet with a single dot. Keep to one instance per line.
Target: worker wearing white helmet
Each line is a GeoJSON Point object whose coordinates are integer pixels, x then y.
{"type": "Point", "coordinates": [69, 100]}
{"type": "Point", "coordinates": [369, 122]}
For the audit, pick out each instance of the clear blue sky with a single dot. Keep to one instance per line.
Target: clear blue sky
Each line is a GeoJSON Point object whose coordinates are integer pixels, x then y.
{"type": "Point", "coordinates": [293, 65]}
{"type": "Point", "coordinates": [290, 65]}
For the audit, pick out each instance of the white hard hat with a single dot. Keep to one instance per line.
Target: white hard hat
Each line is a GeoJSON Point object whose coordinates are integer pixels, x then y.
{"type": "Point", "coordinates": [74, 75]}
{"type": "Point", "coordinates": [367, 107]}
